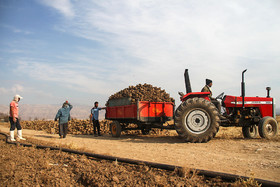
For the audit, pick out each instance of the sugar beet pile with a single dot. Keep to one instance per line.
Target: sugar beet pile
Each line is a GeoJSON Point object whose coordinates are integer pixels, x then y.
{"type": "Point", "coordinates": [143, 92]}
{"type": "Point", "coordinates": [74, 126]}
{"type": "Point", "coordinates": [84, 127]}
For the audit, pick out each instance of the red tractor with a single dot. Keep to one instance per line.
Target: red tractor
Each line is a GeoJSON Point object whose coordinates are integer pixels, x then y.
{"type": "Point", "coordinates": [197, 119]}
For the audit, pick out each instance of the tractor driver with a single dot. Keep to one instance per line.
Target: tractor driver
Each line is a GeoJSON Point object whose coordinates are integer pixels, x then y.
{"type": "Point", "coordinates": [207, 88]}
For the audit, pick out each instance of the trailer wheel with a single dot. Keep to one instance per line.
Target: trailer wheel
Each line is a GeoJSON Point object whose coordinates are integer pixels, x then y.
{"type": "Point", "coordinates": [268, 127]}
{"type": "Point", "coordinates": [250, 131]}
{"type": "Point", "coordinates": [115, 129]}
{"type": "Point", "coordinates": [197, 120]}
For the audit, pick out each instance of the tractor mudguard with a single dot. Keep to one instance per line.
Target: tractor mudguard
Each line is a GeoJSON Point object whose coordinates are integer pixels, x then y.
{"type": "Point", "coordinates": [203, 95]}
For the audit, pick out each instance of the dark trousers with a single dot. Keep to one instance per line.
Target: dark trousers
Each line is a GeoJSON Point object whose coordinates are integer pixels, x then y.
{"type": "Point", "coordinates": [96, 125]}
{"type": "Point", "coordinates": [14, 125]}
{"type": "Point", "coordinates": [63, 128]}
{"type": "Point", "coordinates": [217, 104]}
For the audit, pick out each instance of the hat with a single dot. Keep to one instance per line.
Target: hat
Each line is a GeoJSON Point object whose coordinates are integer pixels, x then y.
{"type": "Point", "coordinates": [65, 104]}
{"type": "Point", "coordinates": [16, 97]}
{"type": "Point", "coordinates": [208, 81]}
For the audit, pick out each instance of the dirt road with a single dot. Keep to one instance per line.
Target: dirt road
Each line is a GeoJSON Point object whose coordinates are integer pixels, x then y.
{"type": "Point", "coordinates": [228, 152]}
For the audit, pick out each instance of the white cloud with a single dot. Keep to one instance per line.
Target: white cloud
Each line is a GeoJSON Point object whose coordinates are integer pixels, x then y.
{"type": "Point", "coordinates": [15, 89]}
{"type": "Point", "coordinates": [30, 94]}
{"type": "Point", "coordinates": [66, 75]}
{"type": "Point", "coordinates": [194, 31]}
{"type": "Point", "coordinates": [154, 41]}
{"type": "Point", "coordinates": [63, 6]}
{"type": "Point", "coordinates": [212, 39]}
{"type": "Point", "coordinates": [3, 90]}
{"type": "Point", "coordinates": [16, 30]}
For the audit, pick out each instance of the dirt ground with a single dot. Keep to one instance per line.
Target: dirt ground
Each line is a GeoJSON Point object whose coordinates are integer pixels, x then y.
{"type": "Point", "coordinates": [229, 152]}
{"type": "Point", "coordinates": [21, 166]}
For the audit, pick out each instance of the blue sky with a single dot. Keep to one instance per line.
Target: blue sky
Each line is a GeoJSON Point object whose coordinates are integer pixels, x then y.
{"type": "Point", "coordinates": [87, 50]}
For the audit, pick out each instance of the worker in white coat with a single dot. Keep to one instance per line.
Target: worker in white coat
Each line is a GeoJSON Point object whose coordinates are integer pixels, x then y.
{"type": "Point", "coordinates": [14, 119]}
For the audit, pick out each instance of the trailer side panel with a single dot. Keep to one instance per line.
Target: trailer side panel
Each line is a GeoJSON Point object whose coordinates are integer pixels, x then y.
{"type": "Point", "coordinates": [143, 111]}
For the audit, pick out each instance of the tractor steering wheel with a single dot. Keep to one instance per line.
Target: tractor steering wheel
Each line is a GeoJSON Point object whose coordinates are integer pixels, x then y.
{"type": "Point", "coordinates": [220, 96]}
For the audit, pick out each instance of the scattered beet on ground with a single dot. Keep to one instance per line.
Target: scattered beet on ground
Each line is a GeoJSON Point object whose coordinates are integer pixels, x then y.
{"type": "Point", "coordinates": [22, 166]}
{"type": "Point", "coordinates": [84, 127]}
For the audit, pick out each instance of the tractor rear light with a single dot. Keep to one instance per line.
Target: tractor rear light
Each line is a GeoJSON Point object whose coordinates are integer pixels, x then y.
{"type": "Point", "coordinates": [274, 108]}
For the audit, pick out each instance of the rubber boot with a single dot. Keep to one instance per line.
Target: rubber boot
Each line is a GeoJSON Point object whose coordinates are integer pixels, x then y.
{"type": "Point", "coordinates": [12, 136]}
{"type": "Point", "coordinates": [19, 132]}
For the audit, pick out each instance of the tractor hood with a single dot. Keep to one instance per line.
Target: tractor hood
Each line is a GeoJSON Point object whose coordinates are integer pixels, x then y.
{"type": "Point", "coordinates": [264, 104]}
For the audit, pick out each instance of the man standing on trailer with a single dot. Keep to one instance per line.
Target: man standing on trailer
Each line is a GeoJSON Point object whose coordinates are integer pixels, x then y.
{"type": "Point", "coordinates": [14, 119]}
{"type": "Point", "coordinates": [94, 115]}
{"type": "Point", "coordinates": [207, 88]}
{"type": "Point", "coordinates": [63, 115]}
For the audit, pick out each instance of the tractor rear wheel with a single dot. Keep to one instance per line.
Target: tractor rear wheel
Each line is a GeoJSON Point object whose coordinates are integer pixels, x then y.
{"type": "Point", "coordinates": [250, 131]}
{"type": "Point", "coordinates": [197, 120]}
{"type": "Point", "coordinates": [115, 129]}
{"type": "Point", "coordinates": [268, 127]}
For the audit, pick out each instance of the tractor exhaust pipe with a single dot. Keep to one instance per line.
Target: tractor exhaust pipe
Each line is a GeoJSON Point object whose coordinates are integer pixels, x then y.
{"type": "Point", "coordinates": [243, 88]}
{"type": "Point", "coordinates": [187, 82]}
{"type": "Point", "coordinates": [268, 92]}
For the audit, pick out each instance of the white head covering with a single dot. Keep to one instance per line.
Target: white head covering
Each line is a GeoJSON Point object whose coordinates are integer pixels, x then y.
{"type": "Point", "coordinates": [16, 97]}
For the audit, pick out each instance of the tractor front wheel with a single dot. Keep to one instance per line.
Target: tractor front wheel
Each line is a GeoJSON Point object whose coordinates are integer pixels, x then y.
{"type": "Point", "coordinates": [250, 131]}
{"type": "Point", "coordinates": [268, 127]}
{"type": "Point", "coordinates": [115, 129]}
{"type": "Point", "coordinates": [197, 120]}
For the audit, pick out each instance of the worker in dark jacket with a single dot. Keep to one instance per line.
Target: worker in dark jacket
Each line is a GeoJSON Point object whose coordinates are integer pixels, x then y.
{"type": "Point", "coordinates": [63, 115]}
{"type": "Point", "coordinates": [94, 114]}
{"type": "Point", "coordinates": [207, 88]}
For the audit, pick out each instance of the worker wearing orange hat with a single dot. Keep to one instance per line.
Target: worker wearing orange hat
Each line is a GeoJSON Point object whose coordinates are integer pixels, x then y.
{"type": "Point", "coordinates": [14, 119]}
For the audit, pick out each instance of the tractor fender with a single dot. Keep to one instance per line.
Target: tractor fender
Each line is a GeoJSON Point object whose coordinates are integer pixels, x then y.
{"type": "Point", "coordinates": [203, 95]}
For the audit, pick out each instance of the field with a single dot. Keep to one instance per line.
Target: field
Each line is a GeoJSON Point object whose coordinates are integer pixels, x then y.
{"type": "Point", "coordinates": [228, 152]}
{"type": "Point", "coordinates": [55, 168]}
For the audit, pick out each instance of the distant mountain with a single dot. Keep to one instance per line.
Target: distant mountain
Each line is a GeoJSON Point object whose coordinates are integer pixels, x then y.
{"type": "Point", "coordinates": [48, 112]}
